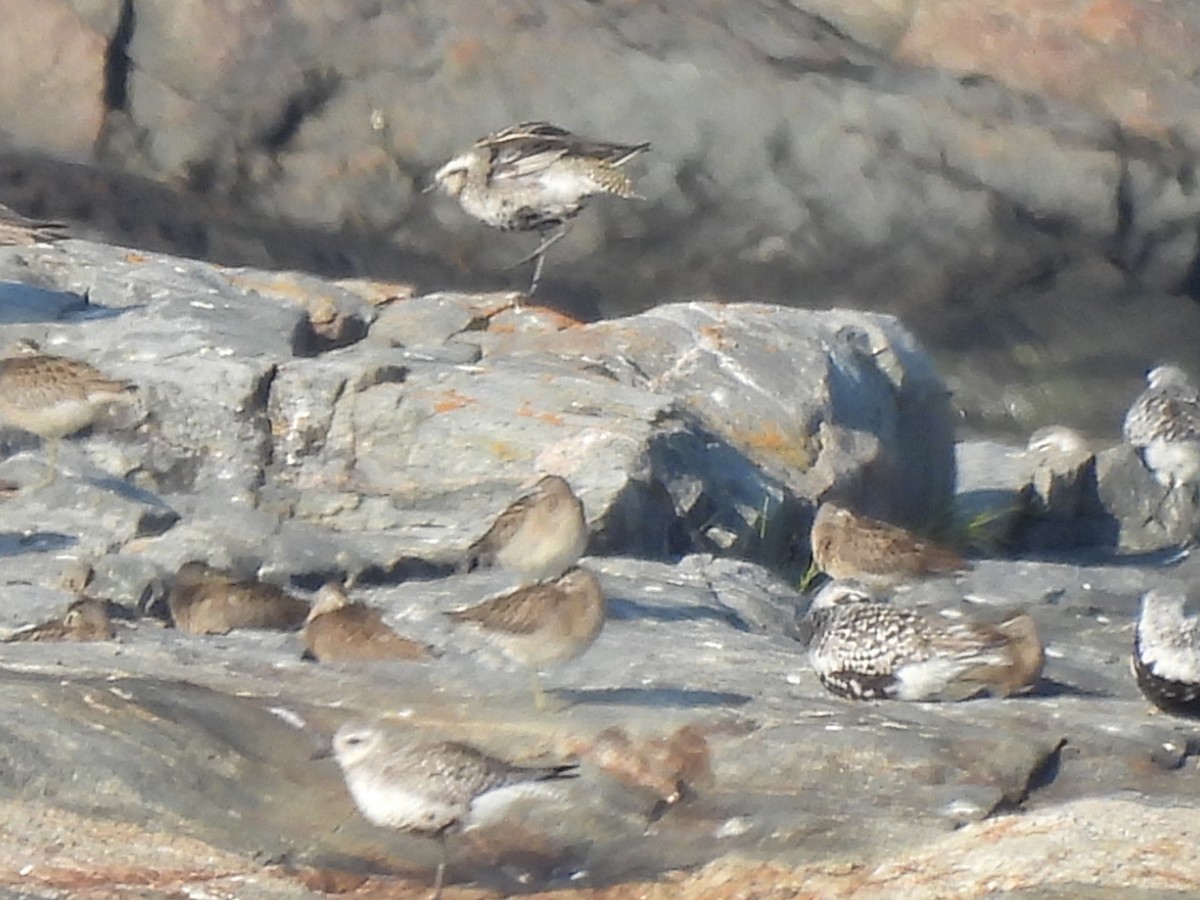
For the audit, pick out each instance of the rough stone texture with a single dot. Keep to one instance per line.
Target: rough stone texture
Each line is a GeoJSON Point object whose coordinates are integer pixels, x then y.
{"type": "Point", "coordinates": [690, 427]}
{"type": "Point", "coordinates": [281, 434]}
{"type": "Point", "coordinates": [1053, 501]}
{"type": "Point", "coordinates": [1011, 178]}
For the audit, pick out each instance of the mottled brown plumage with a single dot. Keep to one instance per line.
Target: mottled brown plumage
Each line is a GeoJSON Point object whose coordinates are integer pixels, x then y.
{"type": "Point", "coordinates": [848, 546]}
{"type": "Point", "coordinates": [53, 396]}
{"type": "Point", "coordinates": [668, 767]}
{"type": "Point", "coordinates": [204, 600]}
{"type": "Point", "coordinates": [17, 230]}
{"type": "Point", "coordinates": [85, 620]}
{"type": "Point", "coordinates": [535, 177]}
{"type": "Point", "coordinates": [338, 630]}
{"type": "Point", "coordinates": [541, 624]}
{"type": "Point", "coordinates": [538, 536]}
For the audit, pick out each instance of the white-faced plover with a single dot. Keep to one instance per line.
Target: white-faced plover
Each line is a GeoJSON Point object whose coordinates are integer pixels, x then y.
{"type": "Point", "coordinates": [846, 545]}
{"type": "Point", "coordinates": [339, 630]}
{"type": "Point", "coordinates": [422, 786]}
{"type": "Point", "coordinates": [535, 177]}
{"type": "Point", "coordinates": [53, 397]}
{"type": "Point", "coordinates": [1166, 653]}
{"type": "Point", "coordinates": [539, 535]}
{"type": "Point", "coordinates": [204, 600]}
{"type": "Point", "coordinates": [1163, 425]}
{"type": "Point", "coordinates": [864, 649]}
{"type": "Point", "coordinates": [541, 624]}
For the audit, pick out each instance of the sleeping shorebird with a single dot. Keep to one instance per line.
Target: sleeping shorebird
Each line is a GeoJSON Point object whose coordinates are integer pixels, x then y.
{"type": "Point", "coordinates": [18, 231]}
{"type": "Point", "coordinates": [204, 600]}
{"type": "Point", "coordinates": [340, 630]}
{"type": "Point", "coordinates": [535, 177]}
{"type": "Point", "coordinates": [427, 787]}
{"type": "Point", "coordinates": [864, 649]}
{"type": "Point", "coordinates": [1166, 653]}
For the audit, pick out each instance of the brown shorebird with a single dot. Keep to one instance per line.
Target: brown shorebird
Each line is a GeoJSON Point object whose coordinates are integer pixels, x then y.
{"type": "Point", "coordinates": [668, 768]}
{"type": "Point", "coordinates": [206, 601]}
{"type": "Point", "coordinates": [863, 649]}
{"type": "Point", "coordinates": [535, 177]}
{"type": "Point", "coordinates": [85, 620]}
{"type": "Point", "coordinates": [426, 787]}
{"type": "Point", "coordinates": [1166, 653]}
{"type": "Point", "coordinates": [53, 397]}
{"type": "Point", "coordinates": [541, 624]}
{"type": "Point", "coordinates": [539, 536]}
{"type": "Point", "coordinates": [848, 546]}
{"type": "Point", "coordinates": [338, 630]}
{"type": "Point", "coordinates": [1163, 425]}
{"type": "Point", "coordinates": [17, 230]}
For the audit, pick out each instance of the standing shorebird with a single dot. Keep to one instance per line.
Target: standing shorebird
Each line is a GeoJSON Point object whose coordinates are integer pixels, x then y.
{"type": "Point", "coordinates": [16, 230]}
{"type": "Point", "coordinates": [1163, 425]}
{"type": "Point", "coordinates": [535, 177]}
{"type": "Point", "coordinates": [426, 787]}
{"type": "Point", "coordinates": [539, 535]}
{"type": "Point", "coordinates": [868, 650]}
{"type": "Point", "coordinates": [846, 545]}
{"type": "Point", "coordinates": [1166, 654]}
{"type": "Point", "coordinates": [338, 630]}
{"type": "Point", "coordinates": [53, 397]}
{"type": "Point", "coordinates": [541, 624]}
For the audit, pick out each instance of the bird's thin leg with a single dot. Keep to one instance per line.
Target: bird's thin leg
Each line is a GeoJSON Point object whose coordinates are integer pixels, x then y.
{"type": "Point", "coordinates": [540, 255]}
{"type": "Point", "coordinates": [52, 466]}
{"type": "Point", "coordinates": [537, 273]}
{"type": "Point", "coordinates": [539, 696]}
{"type": "Point", "coordinates": [439, 877]}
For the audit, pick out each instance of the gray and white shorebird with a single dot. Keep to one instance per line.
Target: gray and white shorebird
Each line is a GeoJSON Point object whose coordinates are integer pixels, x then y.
{"type": "Point", "coordinates": [341, 630]}
{"type": "Point", "coordinates": [19, 231]}
{"type": "Point", "coordinates": [538, 536]}
{"type": "Point", "coordinates": [535, 177]}
{"type": "Point", "coordinates": [53, 397]}
{"type": "Point", "coordinates": [539, 625]}
{"type": "Point", "coordinates": [1166, 653]}
{"type": "Point", "coordinates": [864, 649]}
{"type": "Point", "coordinates": [1163, 425]}
{"type": "Point", "coordinates": [427, 787]}
{"type": "Point", "coordinates": [204, 600]}
{"type": "Point", "coordinates": [850, 546]}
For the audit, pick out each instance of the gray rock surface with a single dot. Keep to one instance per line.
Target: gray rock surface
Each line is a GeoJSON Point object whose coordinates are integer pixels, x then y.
{"type": "Point", "coordinates": [689, 427]}
{"type": "Point", "coordinates": [698, 436]}
{"type": "Point", "coordinates": [1051, 501]}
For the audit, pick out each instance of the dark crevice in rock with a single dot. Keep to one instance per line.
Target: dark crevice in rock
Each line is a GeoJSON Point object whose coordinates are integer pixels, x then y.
{"type": "Point", "coordinates": [316, 91]}
{"type": "Point", "coordinates": [310, 340]}
{"type": "Point", "coordinates": [1041, 775]}
{"type": "Point", "coordinates": [116, 60]}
